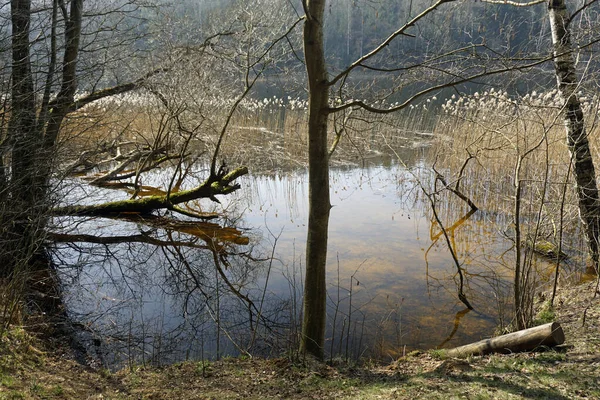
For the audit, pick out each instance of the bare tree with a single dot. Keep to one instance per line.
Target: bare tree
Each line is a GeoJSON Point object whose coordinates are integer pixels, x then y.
{"type": "Point", "coordinates": [34, 121]}
{"type": "Point", "coordinates": [313, 326]}
{"type": "Point", "coordinates": [477, 61]}
{"type": "Point", "coordinates": [69, 35]}
{"type": "Point", "coordinates": [319, 86]}
{"type": "Point", "coordinates": [577, 136]}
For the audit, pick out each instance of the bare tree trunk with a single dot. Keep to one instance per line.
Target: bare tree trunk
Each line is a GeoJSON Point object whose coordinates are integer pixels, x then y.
{"type": "Point", "coordinates": [577, 140]}
{"type": "Point", "coordinates": [22, 253]}
{"type": "Point", "coordinates": [60, 107]}
{"type": "Point", "coordinates": [64, 99]}
{"type": "Point", "coordinates": [313, 324]}
{"type": "Point", "coordinates": [45, 107]}
{"type": "Point", "coordinates": [19, 233]}
{"type": "Point", "coordinates": [22, 133]}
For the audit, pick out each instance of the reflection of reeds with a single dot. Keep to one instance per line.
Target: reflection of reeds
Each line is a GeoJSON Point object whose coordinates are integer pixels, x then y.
{"type": "Point", "coordinates": [520, 172]}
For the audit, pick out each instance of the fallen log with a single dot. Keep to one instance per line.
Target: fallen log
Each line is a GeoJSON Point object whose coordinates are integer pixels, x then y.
{"type": "Point", "coordinates": [550, 334]}
{"type": "Point", "coordinates": [219, 184]}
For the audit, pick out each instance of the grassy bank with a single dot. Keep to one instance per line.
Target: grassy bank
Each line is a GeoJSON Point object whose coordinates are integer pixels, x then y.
{"type": "Point", "coordinates": [32, 369]}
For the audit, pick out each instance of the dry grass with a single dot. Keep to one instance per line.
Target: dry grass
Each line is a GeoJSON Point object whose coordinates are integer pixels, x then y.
{"type": "Point", "coordinates": [267, 135]}
{"type": "Point", "coordinates": [496, 132]}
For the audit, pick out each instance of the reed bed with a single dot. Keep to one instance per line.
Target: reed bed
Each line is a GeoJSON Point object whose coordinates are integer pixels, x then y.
{"type": "Point", "coordinates": [491, 130]}
{"type": "Point", "coordinates": [489, 144]}
{"type": "Point", "coordinates": [495, 131]}
{"type": "Point", "coordinates": [267, 134]}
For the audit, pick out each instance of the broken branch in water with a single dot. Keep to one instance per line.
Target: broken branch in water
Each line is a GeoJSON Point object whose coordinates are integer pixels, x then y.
{"type": "Point", "coordinates": [220, 183]}
{"type": "Point", "coordinates": [455, 189]}
{"type": "Point", "coordinates": [213, 234]}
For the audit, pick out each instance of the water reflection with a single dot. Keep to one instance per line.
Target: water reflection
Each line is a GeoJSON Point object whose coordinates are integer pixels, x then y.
{"type": "Point", "coordinates": [160, 293]}
{"type": "Point", "coordinates": [166, 295]}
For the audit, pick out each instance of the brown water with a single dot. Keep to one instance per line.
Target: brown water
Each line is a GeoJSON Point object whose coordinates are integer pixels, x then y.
{"type": "Point", "coordinates": [403, 283]}
{"type": "Point", "coordinates": [392, 282]}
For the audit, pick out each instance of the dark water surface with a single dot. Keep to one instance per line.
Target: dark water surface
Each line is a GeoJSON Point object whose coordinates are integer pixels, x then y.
{"type": "Point", "coordinates": [392, 282]}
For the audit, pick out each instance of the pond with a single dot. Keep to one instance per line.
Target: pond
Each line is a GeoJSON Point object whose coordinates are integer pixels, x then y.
{"type": "Point", "coordinates": [162, 294]}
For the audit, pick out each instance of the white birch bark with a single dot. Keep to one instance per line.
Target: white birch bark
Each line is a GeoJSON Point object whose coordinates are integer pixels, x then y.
{"type": "Point", "coordinates": [577, 136]}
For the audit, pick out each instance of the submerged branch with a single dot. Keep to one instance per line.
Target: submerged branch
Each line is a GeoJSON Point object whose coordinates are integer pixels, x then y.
{"type": "Point", "coordinates": [456, 191]}
{"type": "Point", "coordinates": [461, 294]}
{"type": "Point", "coordinates": [431, 197]}
{"type": "Point", "coordinates": [213, 234]}
{"type": "Point", "coordinates": [106, 240]}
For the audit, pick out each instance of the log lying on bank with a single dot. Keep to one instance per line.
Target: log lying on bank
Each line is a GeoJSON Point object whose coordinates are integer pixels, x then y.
{"type": "Point", "coordinates": [550, 335]}
{"type": "Point", "coordinates": [219, 184]}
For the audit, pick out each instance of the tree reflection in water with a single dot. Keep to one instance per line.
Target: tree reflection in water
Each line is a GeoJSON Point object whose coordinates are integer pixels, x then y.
{"type": "Point", "coordinates": [165, 294]}
{"type": "Point", "coordinates": [154, 292]}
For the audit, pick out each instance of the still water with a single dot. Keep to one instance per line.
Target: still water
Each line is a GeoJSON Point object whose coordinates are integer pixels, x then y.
{"type": "Point", "coordinates": [161, 294]}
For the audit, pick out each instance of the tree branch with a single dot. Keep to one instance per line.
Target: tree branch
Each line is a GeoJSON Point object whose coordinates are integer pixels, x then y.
{"type": "Point", "coordinates": [219, 184]}
{"type": "Point", "coordinates": [515, 3]}
{"type": "Point", "coordinates": [387, 41]}
{"type": "Point", "coordinates": [361, 104]}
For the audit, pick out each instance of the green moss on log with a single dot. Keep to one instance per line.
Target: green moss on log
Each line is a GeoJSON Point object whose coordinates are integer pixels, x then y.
{"type": "Point", "coordinates": [545, 248]}
{"type": "Point", "coordinates": [213, 186]}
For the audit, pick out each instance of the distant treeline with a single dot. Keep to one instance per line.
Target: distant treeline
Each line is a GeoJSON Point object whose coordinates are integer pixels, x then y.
{"type": "Point", "coordinates": [354, 27]}
{"type": "Point", "coordinates": [121, 34]}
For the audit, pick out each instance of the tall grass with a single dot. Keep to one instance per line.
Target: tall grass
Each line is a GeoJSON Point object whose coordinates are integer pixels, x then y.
{"type": "Point", "coordinates": [266, 134]}
{"type": "Point", "coordinates": [496, 130]}
{"type": "Point", "coordinates": [513, 162]}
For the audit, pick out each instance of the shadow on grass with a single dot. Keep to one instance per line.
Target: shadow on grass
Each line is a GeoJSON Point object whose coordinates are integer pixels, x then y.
{"type": "Point", "coordinates": [539, 382]}
{"type": "Point", "coordinates": [499, 384]}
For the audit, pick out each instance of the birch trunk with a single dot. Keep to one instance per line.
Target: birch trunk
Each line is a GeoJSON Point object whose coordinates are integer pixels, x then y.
{"type": "Point", "coordinates": [577, 139]}
{"type": "Point", "coordinates": [313, 324]}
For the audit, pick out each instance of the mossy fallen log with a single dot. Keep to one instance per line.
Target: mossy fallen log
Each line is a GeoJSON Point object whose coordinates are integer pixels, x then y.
{"type": "Point", "coordinates": [550, 335]}
{"type": "Point", "coordinates": [219, 184]}
{"type": "Point", "coordinates": [545, 248]}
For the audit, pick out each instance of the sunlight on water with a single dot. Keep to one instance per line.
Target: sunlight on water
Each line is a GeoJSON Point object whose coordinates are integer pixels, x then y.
{"type": "Point", "coordinates": [392, 282]}
{"type": "Point", "coordinates": [379, 232]}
